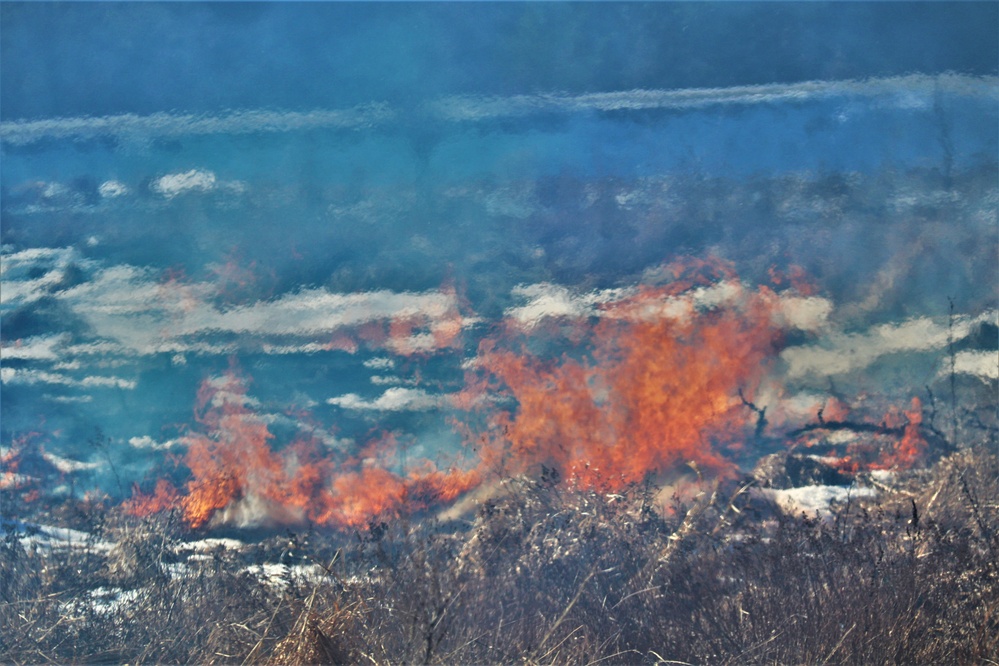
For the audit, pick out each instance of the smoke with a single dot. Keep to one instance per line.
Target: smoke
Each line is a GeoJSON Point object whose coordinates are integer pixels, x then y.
{"type": "Point", "coordinates": [652, 382]}
{"type": "Point", "coordinates": [238, 477]}
{"type": "Point", "coordinates": [645, 381]}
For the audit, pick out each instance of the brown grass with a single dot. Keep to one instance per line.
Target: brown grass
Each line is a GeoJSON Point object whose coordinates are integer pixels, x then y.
{"type": "Point", "coordinates": [542, 574]}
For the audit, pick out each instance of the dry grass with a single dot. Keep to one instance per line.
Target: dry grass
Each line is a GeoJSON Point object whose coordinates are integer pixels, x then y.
{"type": "Point", "coordinates": [541, 575]}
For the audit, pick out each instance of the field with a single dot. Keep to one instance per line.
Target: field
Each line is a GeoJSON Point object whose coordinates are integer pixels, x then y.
{"type": "Point", "coordinates": [499, 333]}
{"type": "Point", "coordinates": [901, 569]}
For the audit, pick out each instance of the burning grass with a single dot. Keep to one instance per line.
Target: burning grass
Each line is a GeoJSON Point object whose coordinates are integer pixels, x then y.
{"type": "Point", "coordinates": [542, 573]}
{"type": "Point", "coordinates": [237, 478]}
{"type": "Point", "coordinates": [604, 515]}
{"type": "Point", "coordinates": [639, 382]}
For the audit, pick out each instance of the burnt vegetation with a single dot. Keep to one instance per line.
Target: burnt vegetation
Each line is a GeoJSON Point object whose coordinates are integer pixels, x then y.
{"type": "Point", "coordinates": [537, 573]}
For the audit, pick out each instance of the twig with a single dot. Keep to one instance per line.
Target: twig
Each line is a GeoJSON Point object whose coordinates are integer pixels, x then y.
{"type": "Point", "coordinates": [559, 644]}
{"type": "Point", "coordinates": [848, 425]}
{"type": "Point", "coordinates": [251, 656]}
{"type": "Point", "coordinates": [953, 372]}
{"type": "Point", "coordinates": [838, 645]}
{"type": "Point", "coordinates": [761, 415]}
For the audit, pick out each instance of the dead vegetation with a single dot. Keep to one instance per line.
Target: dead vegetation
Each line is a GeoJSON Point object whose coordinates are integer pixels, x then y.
{"type": "Point", "coordinates": [540, 574]}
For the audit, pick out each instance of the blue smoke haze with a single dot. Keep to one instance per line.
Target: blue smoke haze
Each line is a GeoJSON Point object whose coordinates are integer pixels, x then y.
{"type": "Point", "coordinates": [267, 156]}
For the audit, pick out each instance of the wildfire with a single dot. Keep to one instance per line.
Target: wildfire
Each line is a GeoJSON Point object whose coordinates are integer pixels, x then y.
{"type": "Point", "coordinates": [912, 447]}
{"type": "Point", "coordinates": [9, 461]}
{"type": "Point", "coordinates": [237, 477]}
{"type": "Point", "coordinates": [655, 385]}
{"type": "Point", "coordinates": [644, 380]}
{"type": "Point", "coordinates": [23, 466]}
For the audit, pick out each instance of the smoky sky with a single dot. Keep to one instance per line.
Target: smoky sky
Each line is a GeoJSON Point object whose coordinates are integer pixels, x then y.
{"type": "Point", "coordinates": [82, 59]}
{"type": "Point", "coordinates": [340, 200]}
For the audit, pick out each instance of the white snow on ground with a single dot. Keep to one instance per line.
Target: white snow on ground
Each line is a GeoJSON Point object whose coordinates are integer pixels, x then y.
{"type": "Point", "coordinates": [379, 363]}
{"type": "Point", "coordinates": [177, 183]}
{"type": "Point", "coordinates": [36, 348]}
{"type": "Point", "coordinates": [981, 364]}
{"type": "Point", "coordinates": [101, 600]}
{"type": "Point", "coordinates": [279, 575]}
{"type": "Point", "coordinates": [110, 189]}
{"type": "Point", "coordinates": [384, 380]}
{"type": "Point", "coordinates": [826, 460]}
{"type": "Point", "coordinates": [883, 475]}
{"type": "Point", "coordinates": [841, 353]}
{"type": "Point", "coordinates": [147, 442]}
{"type": "Point", "coordinates": [110, 599]}
{"type": "Point", "coordinates": [814, 500]}
{"type": "Point", "coordinates": [395, 399]}
{"type": "Point", "coordinates": [177, 570]}
{"type": "Point", "coordinates": [52, 538]}
{"type": "Point", "coordinates": [207, 545]}
{"type": "Point", "coordinates": [67, 465]}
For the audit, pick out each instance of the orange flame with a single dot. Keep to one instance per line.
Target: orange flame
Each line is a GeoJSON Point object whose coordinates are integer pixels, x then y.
{"type": "Point", "coordinates": [658, 387]}
{"type": "Point", "coordinates": [655, 377]}
{"type": "Point", "coordinates": [912, 446]}
{"type": "Point", "coordinates": [896, 442]}
{"type": "Point", "coordinates": [9, 461]}
{"type": "Point", "coordinates": [24, 450]}
{"type": "Point", "coordinates": [236, 476]}
{"type": "Point", "coordinates": [164, 497]}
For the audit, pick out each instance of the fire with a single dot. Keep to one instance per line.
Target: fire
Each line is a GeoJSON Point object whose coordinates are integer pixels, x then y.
{"type": "Point", "coordinates": [641, 381]}
{"type": "Point", "coordinates": [23, 467]}
{"type": "Point", "coordinates": [912, 446]}
{"type": "Point", "coordinates": [9, 460]}
{"type": "Point", "coordinates": [164, 497]}
{"type": "Point", "coordinates": [853, 443]}
{"type": "Point", "coordinates": [423, 333]}
{"type": "Point", "coordinates": [656, 385]}
{"type": "Point", "coordinates": [238, 477]}
{"type": "Point", "coordinates": [412, 334]}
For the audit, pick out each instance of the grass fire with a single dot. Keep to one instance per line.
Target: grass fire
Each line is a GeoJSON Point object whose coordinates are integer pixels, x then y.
{"type": "Point", "coordinates": [656, 379]}
{"type": "Point", "coordinates": [634, 486]}
{"type": "Point", "coordinates": [535, 333]}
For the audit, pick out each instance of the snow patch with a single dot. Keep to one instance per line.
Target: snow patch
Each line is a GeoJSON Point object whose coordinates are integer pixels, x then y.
{"type": "Point", "coordinates": [817, 500]}
{"type": "Point", "coordinates": [208, 545]}
{"type": "Point", "coordinates": [395, 399]}
{"type": "Point", "coordinates": [190, 181]}
{"type": "Point", "coordinates": [981, 364]}
{"type": "Point", "coordinates": [147, 442]}
{"type": "Point", "coordinates": [51, 538]}
{"type": "Point", "coordinates": [65, 465]}
{"type": "Point", "coordinates": [110, 189]}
